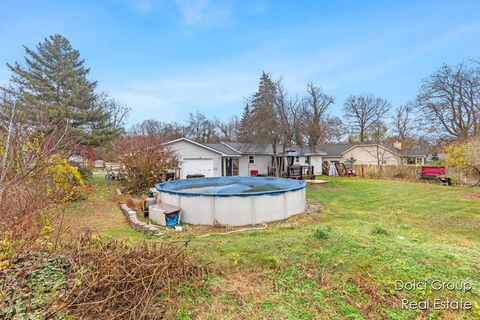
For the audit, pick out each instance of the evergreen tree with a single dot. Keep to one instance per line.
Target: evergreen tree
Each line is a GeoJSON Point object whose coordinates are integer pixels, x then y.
{"type": "Point", "coordinates": [263, 122]}
{"type": "Point", "coordinates": [56, 94]}
{"type": "Point", "coordinates": [244, 123]}
{"type": "Point", "coordinates": [264, 128]}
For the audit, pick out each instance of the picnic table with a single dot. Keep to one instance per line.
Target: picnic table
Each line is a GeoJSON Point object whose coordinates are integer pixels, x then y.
{"type": "Point", "coordinates": [435, 173]}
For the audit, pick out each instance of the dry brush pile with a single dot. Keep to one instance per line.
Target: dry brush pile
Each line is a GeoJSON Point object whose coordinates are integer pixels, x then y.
{"type": "Point", "coordinates": [91, 279]}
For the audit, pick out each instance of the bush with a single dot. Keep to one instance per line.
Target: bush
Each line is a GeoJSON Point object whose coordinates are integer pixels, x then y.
{"type": "Point", "coordinates": [145, 159]}
{"type": "Point", "coordinates": [322, 233]}
{"type": "Point", "coordinates": [85, 172]}
{"type": "Point", "coordinates": [465, 156]}
{"type": "Point", "coordinates": [66, 182]}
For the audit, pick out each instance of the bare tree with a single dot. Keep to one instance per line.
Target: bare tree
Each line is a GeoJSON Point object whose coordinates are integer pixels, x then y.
{"type": "Point", "coordinates": [363, 111]}
{"type": "Point", "coordinates": [378, 134]}
{"type": "Point", "coordinates": [288, 113]}
{"type": "Point", "coordinates": [165, 130]}
{"type": "Point", "coordinates": [450, 99]}
{"type": "Point", "coordinates": [402, 121]}
{"type": "Point", "coordinates": [405, 125]}
{"type": "Point", "coordinates": [200, 128]}
{"type": "Point", "coordinates": [317, 124]}
{"type": "Point", "coordinates": [117, 112]}
{"type": "Point", "coordinates": [333, 130]}
{"type": "Point", "coordinates": [228, 130]}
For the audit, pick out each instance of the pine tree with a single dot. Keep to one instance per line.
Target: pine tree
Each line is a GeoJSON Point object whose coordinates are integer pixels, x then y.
{"type": "Point", "coordinates": [244, 124]}
{"type": "Point", "coordinates": [264, 128]}
{"type": "Point", "coordinates": [263, 122]}
{"type": "Point", "coordinates": [56, 93]}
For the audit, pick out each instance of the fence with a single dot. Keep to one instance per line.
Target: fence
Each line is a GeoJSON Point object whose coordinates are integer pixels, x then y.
{"type": "Point", "coordinates": [407, 172]}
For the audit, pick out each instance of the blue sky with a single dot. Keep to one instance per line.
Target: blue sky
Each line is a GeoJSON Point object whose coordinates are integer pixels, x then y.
{"type": "Point", "coordinates": [167, 58]}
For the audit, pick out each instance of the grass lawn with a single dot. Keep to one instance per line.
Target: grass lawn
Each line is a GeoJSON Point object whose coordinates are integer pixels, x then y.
{"type": "Point", "coordinates": [101, 213]}
{"type": "Point", "coordinates": [339, 263]}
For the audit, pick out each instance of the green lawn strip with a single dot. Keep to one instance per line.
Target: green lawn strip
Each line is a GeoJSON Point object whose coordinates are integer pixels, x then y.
{"type": "Point", "coordinates": [100, 212]}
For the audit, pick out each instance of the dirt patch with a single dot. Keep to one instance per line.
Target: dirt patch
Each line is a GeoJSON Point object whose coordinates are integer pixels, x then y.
{"type": "Point", "coordinates": [246, 289]}
{"type": "Point", "coordinates": [473, 196]}
{"type": "Point", "coordinates": [240, 284]}
{"type": "Point", "coordinates": [373, 293]}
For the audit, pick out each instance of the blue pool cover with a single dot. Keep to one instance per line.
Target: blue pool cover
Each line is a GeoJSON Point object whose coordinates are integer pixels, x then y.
{"type": "Point", "coordinates": [230, 186]}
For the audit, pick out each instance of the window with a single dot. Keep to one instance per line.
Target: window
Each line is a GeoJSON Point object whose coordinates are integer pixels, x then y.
{"type": "Point", "coordinates": [251, 159]}
{"type": "Point", "coordinates": [297, 159]}
{"type": "Point", "coordinates": [307, 159]}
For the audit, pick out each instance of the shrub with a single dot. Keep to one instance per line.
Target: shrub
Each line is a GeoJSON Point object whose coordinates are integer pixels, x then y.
{"type": "Point", "coordinates": [66, 182]}
{"type": "Point", "coordinates": [145, 159]}
{"type": "Point", "coordinates": [7, 251]}
{"type": "Point", "coordinates": [465, 155]}
{"type": "Point", "coordinates": [322, 233]}
{"type": "Point", "coordinates": [85, 172]}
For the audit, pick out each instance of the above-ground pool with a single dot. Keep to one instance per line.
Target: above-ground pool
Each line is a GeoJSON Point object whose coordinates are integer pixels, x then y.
{"type": "Point", "coordinates": [234, 201]}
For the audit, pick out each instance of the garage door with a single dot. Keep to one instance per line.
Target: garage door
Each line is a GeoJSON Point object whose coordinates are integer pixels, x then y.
{"type": "Point", "coordinates": [197, 166]}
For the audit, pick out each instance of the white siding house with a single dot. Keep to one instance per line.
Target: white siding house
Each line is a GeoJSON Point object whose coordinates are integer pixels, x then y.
{"type": "Point", "coordinates": [196, 158]}
{"type": "Point", "coordinates": [234, 158]}
{"type": "Point", "coordinates": [371, 153]}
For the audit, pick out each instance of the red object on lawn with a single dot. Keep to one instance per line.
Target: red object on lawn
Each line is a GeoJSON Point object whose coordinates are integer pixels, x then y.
{"type": "Point", "coordinates": [253, 172]}
{"type": "Point", "coordinates": [432, 171]}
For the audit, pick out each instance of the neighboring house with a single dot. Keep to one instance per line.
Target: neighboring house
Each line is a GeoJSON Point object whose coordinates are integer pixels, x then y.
{"type": "Point", "coordinates": [80, 160]}
{"type": "Point", "coordinates": [371, 153]}
{"type": "Point", "coordinates": [236, 158]}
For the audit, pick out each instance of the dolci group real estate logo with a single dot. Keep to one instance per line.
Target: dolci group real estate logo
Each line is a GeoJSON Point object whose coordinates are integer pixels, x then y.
{"type": "Point", "coordinates": [435, 286]}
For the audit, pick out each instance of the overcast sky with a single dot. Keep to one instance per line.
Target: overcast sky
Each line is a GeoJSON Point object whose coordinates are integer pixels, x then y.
{"type": "Point", "coordinates": [167, 58]}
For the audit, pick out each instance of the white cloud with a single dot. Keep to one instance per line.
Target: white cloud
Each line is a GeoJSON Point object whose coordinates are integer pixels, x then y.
{"type": "Point", "coordinates": [192, 13]}
{"type": "Point", "coordinates": [205, 13]}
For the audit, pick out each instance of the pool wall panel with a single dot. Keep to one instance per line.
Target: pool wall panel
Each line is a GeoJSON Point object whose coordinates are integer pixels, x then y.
{"type": "Point", "coordinates": [237, 211]}
{"type": "Point", "coordinates": [233, 210]}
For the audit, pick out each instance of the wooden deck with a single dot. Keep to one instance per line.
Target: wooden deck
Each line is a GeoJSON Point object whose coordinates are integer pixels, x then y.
{"type": "Point", "coordinates": [315, 182]}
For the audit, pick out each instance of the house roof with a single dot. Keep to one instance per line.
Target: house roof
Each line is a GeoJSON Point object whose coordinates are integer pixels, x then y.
{"type": "Point", "coordinates": [338, 149]}
{"type": "Point", "coordinates": [233, 148]}
{"type": "Point", "coordinates": [195, 143]}
{"type": "Point", "coordinates": [222, 148]}
{"type": "Point", "coordinates": [415, 153]}
{"type": "Point", "coordinates": [245, 147]}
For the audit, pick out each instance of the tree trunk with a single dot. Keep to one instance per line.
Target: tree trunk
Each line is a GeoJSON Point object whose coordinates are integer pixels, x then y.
{"type": "Point", "coordinates": [275, 160]}
{"type": "Point", "coordinates": [282, 161]}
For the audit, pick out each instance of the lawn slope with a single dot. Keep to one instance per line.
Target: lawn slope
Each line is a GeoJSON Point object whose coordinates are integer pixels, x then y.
{"type": "Point", "coordinates": [341, 263]}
